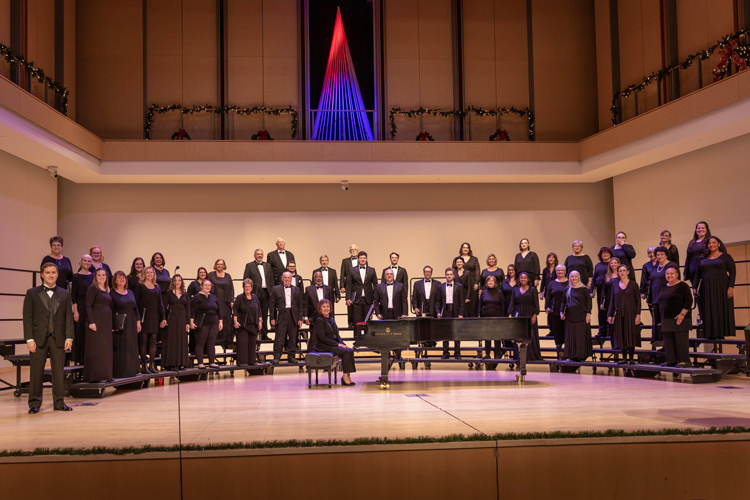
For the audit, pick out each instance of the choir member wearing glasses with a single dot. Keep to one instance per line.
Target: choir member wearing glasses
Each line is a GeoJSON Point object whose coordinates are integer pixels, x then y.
{"type": "Point", "coordinates": [528, 262]}
{"type": "Point", "coordinates": [136, 270]}
{"type": "Point", "coordinates": [665, 240]}
{"type": "Point", "coordinates": [82, 280]}
{"type": "Point", "coordinates": [716, 275]}
{"type": "Point", "coordinates": [657, 279]}
{"type": "Point", "coordinates": [126, 326]}
{"type": "Point", "coordinates": [554, 300]}
{"type": "Point", "coordinates": [491, 270]}
{"type": "Point", "coordinates": [598, 283]}
{"type": "Point", "coordinates": [64, 266]}
{"type": "Point", "coordinates": [625, 314]}
{"type": "Point", "coordinates": [151, 309]}
{"type": "Point", "coordinates": [97, 261]}
{"type": "Point", "coordinates": [625, 252]}
{"type": "Point", "coordinates": [492, 305]}
{"type": "Point", "coordinates": [205, 318]}
{"type": "Point", "coordinates": [524, 303]}
{"type": "Point", "coordinates": [174, 352]}
{"type": "Point", "coordinates": [579, 261]}
{"type": "Point", "coordinates": [548, 273]}
{"type": "Point", "coordinates": [97, 359]}
{"type": "Point", "coordinates": [224, 290]}
{"type": "Point", "coordinates": [672, 312]}
{"type": "Point", "coordinates": [327, 339]}
{"type": "Point", "coordinates": [576, 312]}
{"type": "Point", "coordinates": [247, 321]}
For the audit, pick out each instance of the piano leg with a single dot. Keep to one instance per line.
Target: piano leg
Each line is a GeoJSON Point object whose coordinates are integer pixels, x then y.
{"type": "Point", "coordinates": [522, 347]}
{"type": "Point", "coordinates": [384, 366]}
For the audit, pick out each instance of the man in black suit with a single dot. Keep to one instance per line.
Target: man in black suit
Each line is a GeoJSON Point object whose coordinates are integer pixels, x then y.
{"type": "Point", "coordinates": [390, 300]}
{"type": "Point", "coordinates": [399, 273]}
{"type": "Point", "coordinates": [279, 259]}
{"type": "Point", "coordinates": [286, 315]}
{"type": "Point", "coordinates": [360, 290]}
{"type": "Point", "coordinates": [346, 268]}
{"type": "Point", "coordinates": [313, 295]}
{"type": "Point", "coordinates": [47, 329]}
{"type": "Point", "coordinates": [424, 294]}
{"type": "Point", "coordinates": [262, 275]}
{"type": "Point", "coordinates": [451, 301]}
{"type": "Point", "coordinates": [330, 278]}
{"type": "Point", "coordinates": [296, 278]}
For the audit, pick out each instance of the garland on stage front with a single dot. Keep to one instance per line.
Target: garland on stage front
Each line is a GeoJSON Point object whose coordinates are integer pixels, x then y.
{"type": "Point", "coordinates": [39, 74]}
{"type": "Point", "coordinates": [155, 109]}
{"type": "Point", "coordinates": [452, 113]}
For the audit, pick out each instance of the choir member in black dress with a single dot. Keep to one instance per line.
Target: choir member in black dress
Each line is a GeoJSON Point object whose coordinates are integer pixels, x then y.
{"type": "Point", "coordinates": [125, 332]}
{"type": "Point", "coordinates": [646, 271]}
{"type": "Point", "coordinates": [695, 250]}
{"type": "Point", "coordinates": [399, 273]}
{"type": "Point", "coordinates": [548, 273]}
{"type": "Point", "coordinates": [285, 305]}
{"type": "Point", "coordinates": [492, 305]}
{"type": "Point", "coordinates": [509, 283]}
{"type": "Point", "coordinates": [197, 284]}
{"type": "Point", "coordinates": [450, 303]}
{"type": "Point", "coordinates": [97, 261]}
{"type": "Point", "coordinates": [162, 275]}
{"type": "Point", "coordinates": [491, 270]}
{"type": "Point", "coordinates": [580, 262]}
{"type": "Point", "coordinates": [576, 312]}
{"type": "Point", "coordinates": [224, 291]}
{"type": "Point", "coordinates": [327, 339]}
{"type": "Point", "coordinates": [466, 278]}
{"type": "Point", "coordinates": [174, 350]}
{"type": "Point", "coordinates": [524, 303]}
{"type": "Point", "coordinates": [347, 264]}
{"type": "Point", "coordinates": [665, 240]}
{"type": "Point", "coordinates": [79, 286]}
{"type": "Point", "coordinates": [673, 315]}
{"type": "Point", "coordinates": [262, 275]}
{"type": "Point", "coordinates": [64, 267]}
{"type": "Point", "coordinates": [247, 321]}
{"type": "Point", "coordinates": [136, 270]}
{"type": "Point", "coordinates": [657, 279]}
{"type": "Point", "coordinates": [97, 359]}
{"type": "Point", "coordinates": [471, 264]}
{"type": "Point", "coordinates": [624, 252]}
{"type": "Point", "coordinates": [554, 300]}
{"type": "Point", "coordinates": [296, 278]}
{"type": "Point", "coordinates": [528, 262]}
{"type": "Point", "coordinates": [597, 286]}
{"type": "Point", "coordinates": [625, 314]}
{"type": "Point", "coordinates": [205, 318]}
{"type": "Point", "coordinates": [716, 275]}
{"type": "Point", "coordinates": [151, 310]}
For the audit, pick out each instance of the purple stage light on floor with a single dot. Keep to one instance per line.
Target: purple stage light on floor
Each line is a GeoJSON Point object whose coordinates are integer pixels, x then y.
{"type": "Point", "coordinates": [341, 112]}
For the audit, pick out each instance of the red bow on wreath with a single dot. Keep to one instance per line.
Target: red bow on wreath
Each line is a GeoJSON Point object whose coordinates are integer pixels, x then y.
{"type": "Point", "coordinates": [181, 133]}
{"type": "Point", "coordinates": [727, 53]}
{"type": "Point", "coordinates": [262, 135]}
{"type": "Point", "coordinates": [424, 136]}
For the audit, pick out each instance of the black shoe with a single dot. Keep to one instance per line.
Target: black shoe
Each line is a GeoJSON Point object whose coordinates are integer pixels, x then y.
{"type": "Point", "coordinates": [274, 361]}
{"type": "Point", "coordinates": [64, 407]}
{"type": "Point", "coordinates": [457, 355]}
{"type": "Point", "coordinates": [265, 337]}
{"type": "Point", "coordinates": [446, 355]}
{"type": "Point", "coordinates": [349, 384]}
{"type": "Point", "coordinates": [291, 361]}
{"type": "Point", "coordinates": [152, 368]}
{"type": "Point", "coordinates": [33, 411]}
{"type": "Point", "coordinates": [668, 364]}
{"type": "Point", "coordinates": [684, 365]}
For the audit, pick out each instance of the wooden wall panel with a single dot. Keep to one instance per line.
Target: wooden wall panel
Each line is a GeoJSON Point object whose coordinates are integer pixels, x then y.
{"type": "Point", "coordinates": [5, 22]}
{"type": "Point", "coordinates": [41, 40]}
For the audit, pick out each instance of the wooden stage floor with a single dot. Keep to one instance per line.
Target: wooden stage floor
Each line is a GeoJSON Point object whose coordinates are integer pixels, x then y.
{"type": "Point", "coordinates": [448, 399]}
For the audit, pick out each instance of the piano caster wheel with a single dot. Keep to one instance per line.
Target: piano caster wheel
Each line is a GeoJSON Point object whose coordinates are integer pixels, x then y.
{"type": "Point", "coordinates": [594, 369]}
{"type": "Point", "coordinates": [471, 365]}
{"type": "Point", "coordinates": [384, 386]}
{"type": "Point", "coordinates": [520, 378]}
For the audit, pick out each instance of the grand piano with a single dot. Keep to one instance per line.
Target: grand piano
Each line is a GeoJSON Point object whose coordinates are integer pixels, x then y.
{"type": "Point", "coordinates": [387, 335]}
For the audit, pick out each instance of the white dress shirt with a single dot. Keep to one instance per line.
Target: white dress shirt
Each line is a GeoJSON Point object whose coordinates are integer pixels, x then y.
{"type": "Point", "coordinates": [288, 296]}
{"type": "Point", "coordinates": [282, 256]}
{"type": "Point", "coordinates": [449, 293]}
{"type": "Point", "coordinates": [389, 290]}
{"type": "Point", "coordinates": [262, 275]}
{"type": "Point", "coordinates": [362, 273]}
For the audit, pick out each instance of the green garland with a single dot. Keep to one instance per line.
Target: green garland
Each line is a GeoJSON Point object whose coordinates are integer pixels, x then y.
{"type": "Point", "coordinates": [657, 76]}
{"type": "Point", "coordinates": [39, 74]}
{"type": "Point", "coordinates": [310, 443]}
{"type": "Point", "coordinates": [411, 113]}
{"type": "Point", "coordinates": [155, 109]}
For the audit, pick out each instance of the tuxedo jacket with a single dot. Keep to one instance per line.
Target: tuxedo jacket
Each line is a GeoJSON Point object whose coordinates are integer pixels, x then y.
{"type": "Point", "coordinates": [296, 281]}
{"type": "Point", "coordinates": [401, 276]}
{"type": "Point", "coordinates": [310, 300]}
{"type": "Point", "coordinates": [354, 285]}
{"type": "Point", "coordinates": [277, 304]}
{"type": "Point", "coordinates": [277, 266]}
{"type": "Point", "coordinates": [418, 300]}
{"type": "Point", "coordinates": [252, 271]}
{"type": "Point", "coordinates": [400, 305]}
{"type": "Point", "coordinates": [459, 297]}
{"type": "Point", "coordinates": [333, 280]}
{"type": "Point", "coordinates": [346, 269]}
{"type": "Point", "coordinates": [36, 315]}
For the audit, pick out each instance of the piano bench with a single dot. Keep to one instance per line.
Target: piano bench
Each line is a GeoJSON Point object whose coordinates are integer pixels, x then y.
{"type": "Point", "coordinates": [322, 361]}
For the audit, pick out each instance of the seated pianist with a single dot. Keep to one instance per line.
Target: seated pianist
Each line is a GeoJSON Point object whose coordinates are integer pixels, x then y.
{"type": "Point", "coordinates": [327, 339]}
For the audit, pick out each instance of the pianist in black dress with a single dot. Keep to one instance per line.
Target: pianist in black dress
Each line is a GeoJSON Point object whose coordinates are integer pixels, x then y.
{"type": "Point", "coordinates": [466, 278]}
{"type": "Point", "coordinates": [136, 270]}
{"type": "Point", "coordinates": [665, 240]}
{"type": "Point", "coordinates": [597, 286]}
{"type": "Point", "coordinates": [151, 309]}
{"type": "Point", "coordinates": [548, 273]}
{"type": "Point", "coordinates": [327, 339]}
{"type": "Point", "coordinates": [248, 320]}
{"type": "Point", "coordinates": [580, 262]}
{"type": "Point", "coordinates": [528, 262]}
{"type": "Point", "coordinates": [64, 267]}
{"type": "Point", "coordinates": [205, 318]}
{"type": "Point", "coordinates": [524, 302]}
{"type": "Point", "coordinates": [492, 305]}
{"type": "Point", "coordinates": [97, 261]}
{"type": "Point", "coordinates": [576, 312]}
{"type": "Point", "coordinates": [79, 286]}
{"type": "Point", "coordinates": [125, 333]}
{"type": "Point", "coordinates": [471, 264]}
{"type": "Point", "coordinates": [224, 291]}
{"type": "Point", "coordinates": [695, 250]}
{"type": "Point", "coordinates": [625, 252]}
{"type": "Point", "coordinates": [491, 270]}
{"type": "Point", "coordinates": [97, 359]}
{"type": "Point", "coordinates": [673, 315]}
{"type": "Point", "coordinates": [174, 351]}
{"type": "Point", "coordinates": [716, 275]}
{"type": "Point", "coordinates": [625, 314]}
{"type": "Point", "coordinates": [554, 299]}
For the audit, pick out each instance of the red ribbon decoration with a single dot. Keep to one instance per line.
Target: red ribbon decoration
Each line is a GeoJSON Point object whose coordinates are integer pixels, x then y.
{"type": "Point", "coordinates": [262, 135]}
{"type": "Point", "coordinates": [180, 134]}
{"type": "Point", "coordinates": [424, 136]}
{"type": "Point", "coordinates": [730, 51]}
{"type": "Point", "coordinates": [503, 134]}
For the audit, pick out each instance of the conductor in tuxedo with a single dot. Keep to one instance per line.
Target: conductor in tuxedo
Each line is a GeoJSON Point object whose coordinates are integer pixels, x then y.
{"type": "Point", "coordinates": [347, 264]}
{"type": "Point", "coordinates": [313, 295]}
{"type": "Point", "coordinates": [262, 275]}
{"type": "Point", "coordinates": [451, 301]}
{"type": "Point", "coordinates": [360, 290]}
{"type": "Point", "coordinates": [279, 259]}
{"type": "Point", "coordinates": [47, 329]}
{"type": "Point", "coordinates": [424, 294]}
{"type": "Point", "coordinates": [286, 315]}
{"type": "Point", "coordinates": [390, 300]}
{"type": "Point", "coordinates": [399, 273]}
{"type": "Point", "coordinates": [330, 278]}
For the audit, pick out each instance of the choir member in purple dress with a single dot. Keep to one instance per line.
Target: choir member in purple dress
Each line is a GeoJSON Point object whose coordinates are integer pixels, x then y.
{"type": "Point", "coordinates": [524, 302]}
{"type": "Point", "coordinates": [625, 252]}
{"type": "Point", "coordinates": [716, 275]}
{"type": "Point", "coordinates": [580, 262]}
{"type": "Point", "coordinates": [576, 312]}
{"type": "Point", "coordinates": [224, 291]}
{"type": "Point", "coordinates": [136, 271]}
{"type": "Point", "coordinates": [97, 261]}
{"type": "Point", "coordinates": [672, 313]}
{"type": "Point", "coordinates": [597, 286]}
{"type": "Point", "coordinates": [665, 240]}
{"type": "Point", "coordinates": [528, 262]}
{"type": "Point", "coordinates": [625, 314]}
{"type": "Point", "coordinates": [548, 273]}
{"type": "Point", "coordinates": [79, 286]}
{"type": "Point", "coordinates": [554, 300]}
{"type": "Point", "coordinates": [97, 359]}
{"type": "Point", "coordinates": [64, 267]}
{"type": "Point", "coordinates": [127, 324]}
{"type": "Point", "coordinates": [151, 310]}
{"type": "Point", "coordinates": [174, 352]}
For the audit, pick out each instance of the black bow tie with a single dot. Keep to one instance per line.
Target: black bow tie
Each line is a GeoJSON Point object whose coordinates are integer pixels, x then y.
{"type": "Point", "coordinates": [49, 289]}
{"type": "Point", "coordinates": [363, 267]}
{"type": "Point", "coordinates": [318, 286]}
{"type": "Point", "coordinates": [449, 284]}
{"type": "Point", "coordinates": [389, 284]}
{"type": "Point", "coordinates": [427, 281]}
{"type": "Point", "coordinates": [394, 267]}
{"type": "Point", "coordinates": [281, 252]}
{"type": "Point", "coordinates": [324, 269]}
{"type": "Point", "coordinates": [287, 286]}
{"type": "Point", "coordinates": [259, 263]}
